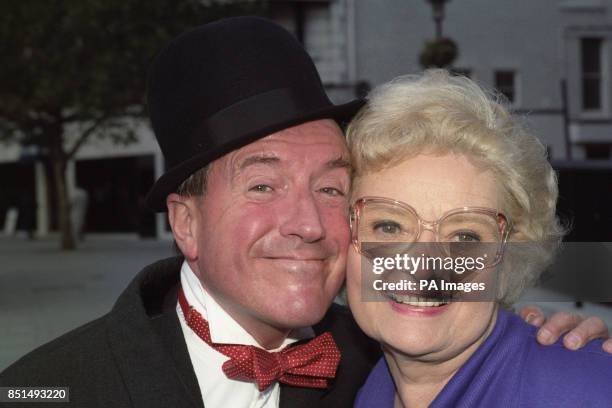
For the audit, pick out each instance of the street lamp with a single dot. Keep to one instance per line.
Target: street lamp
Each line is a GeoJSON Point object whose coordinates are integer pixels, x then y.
{"type": "Point", "coordinates": [439, 52]}
{"type": "Point", "coordinates": [437, 8]}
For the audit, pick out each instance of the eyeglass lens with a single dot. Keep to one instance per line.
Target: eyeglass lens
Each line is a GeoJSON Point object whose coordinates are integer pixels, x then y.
{"type": "Point", "coordinates": [468, 233]}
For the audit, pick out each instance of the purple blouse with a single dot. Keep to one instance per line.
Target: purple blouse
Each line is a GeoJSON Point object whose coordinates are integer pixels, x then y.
{"type": "Point", "coordinates": [511, 369]}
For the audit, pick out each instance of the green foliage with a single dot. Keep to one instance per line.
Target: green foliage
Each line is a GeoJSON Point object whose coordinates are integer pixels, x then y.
{"type": "Point", "coordinates": [84, 63]}
{"type": "Point", "coordinates": [438, 53]}
{"type": "Point", "coordinates": [86, 60]}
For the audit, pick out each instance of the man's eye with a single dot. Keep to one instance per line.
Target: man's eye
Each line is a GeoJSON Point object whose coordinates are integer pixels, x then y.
{"type": "Point", "coordinates": [332, 191]}
{"type": "Point", "coordinates": [261, 188]}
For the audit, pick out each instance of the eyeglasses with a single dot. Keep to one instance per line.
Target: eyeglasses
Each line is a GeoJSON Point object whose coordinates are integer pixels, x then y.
{"type": "Point", "coordinates": [465, 231]}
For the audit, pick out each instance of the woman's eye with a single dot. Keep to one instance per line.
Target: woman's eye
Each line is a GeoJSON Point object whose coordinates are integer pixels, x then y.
{"type": "Point", "coordinates": [388, 227]}
{"type": "Point", "coordinates": [261, 188]}
{"type": "Point", "coordinates": [332, 191]}
{"type": "Point", "coordinates": [466, 236]}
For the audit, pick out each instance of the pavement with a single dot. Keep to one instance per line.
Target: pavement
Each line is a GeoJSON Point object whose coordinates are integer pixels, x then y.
{"type": "Point", "coordinates": [45, 292]}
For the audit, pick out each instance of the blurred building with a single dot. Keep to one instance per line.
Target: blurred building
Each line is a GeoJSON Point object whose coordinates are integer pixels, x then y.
{"type": "Point", "coordinates": [551, 58]}
{"type": "Point", "coordinates": [526, 49]}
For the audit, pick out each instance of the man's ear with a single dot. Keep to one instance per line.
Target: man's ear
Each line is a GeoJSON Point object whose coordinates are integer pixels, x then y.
{"type": "Point", "coordinates": [182, 216]}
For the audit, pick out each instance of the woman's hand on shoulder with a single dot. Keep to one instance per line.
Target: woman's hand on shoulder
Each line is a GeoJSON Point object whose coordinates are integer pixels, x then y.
{"type": "Point", "coordinates": [576, 329]}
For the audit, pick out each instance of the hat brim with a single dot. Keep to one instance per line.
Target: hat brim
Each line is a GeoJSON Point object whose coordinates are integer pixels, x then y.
{"type": "Point", "coordinates": [172, 179]}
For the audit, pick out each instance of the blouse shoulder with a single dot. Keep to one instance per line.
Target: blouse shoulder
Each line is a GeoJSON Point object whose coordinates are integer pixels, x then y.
{"type": "Point", "coordinates": [378, 390]}
{"type": "Point", "coordinates": [561, 377]}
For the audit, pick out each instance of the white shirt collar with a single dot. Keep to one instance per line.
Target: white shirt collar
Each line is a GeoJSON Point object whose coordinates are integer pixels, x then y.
{"type": "Point", "coordinates": [223, 328]}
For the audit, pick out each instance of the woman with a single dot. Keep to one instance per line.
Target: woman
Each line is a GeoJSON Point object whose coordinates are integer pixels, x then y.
{"type": "Point", "coordinates": [439, 161]}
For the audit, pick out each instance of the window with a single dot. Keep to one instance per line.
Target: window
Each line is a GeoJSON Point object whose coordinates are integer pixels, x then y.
{"type": "Point", "coordinates": [590, 52]}
{"type": "Point", "coordinates": [505, 82]}
{"type": "Point", "coordinates": [597, 151]}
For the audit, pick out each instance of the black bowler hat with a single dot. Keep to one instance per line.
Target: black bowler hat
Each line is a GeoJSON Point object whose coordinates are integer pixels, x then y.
{"type": "Point", "coordinates": [224, 85]}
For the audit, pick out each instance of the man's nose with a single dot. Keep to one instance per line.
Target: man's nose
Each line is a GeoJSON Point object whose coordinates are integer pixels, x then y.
{"type": "Point", "coordinates": [303, 219]}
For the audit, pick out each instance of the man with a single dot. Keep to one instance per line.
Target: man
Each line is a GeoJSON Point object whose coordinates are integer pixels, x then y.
{"type": "Point", "coordinates": [256, 194]}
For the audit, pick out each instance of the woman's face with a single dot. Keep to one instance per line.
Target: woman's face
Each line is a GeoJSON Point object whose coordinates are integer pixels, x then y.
{"type": "Point", "coordinates": [432, 185]}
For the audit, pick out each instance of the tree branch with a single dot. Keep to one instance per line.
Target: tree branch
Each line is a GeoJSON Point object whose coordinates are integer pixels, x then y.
{"type": "Point", "coordinates": [85, 135]}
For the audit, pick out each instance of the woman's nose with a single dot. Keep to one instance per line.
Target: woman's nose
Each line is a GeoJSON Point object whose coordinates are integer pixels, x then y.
{"type": "Point", "coordinates": [428, 233]}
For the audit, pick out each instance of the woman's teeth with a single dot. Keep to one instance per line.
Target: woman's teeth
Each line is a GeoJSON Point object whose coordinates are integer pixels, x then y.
{"type": "Point", "coordinates": [416, 300]}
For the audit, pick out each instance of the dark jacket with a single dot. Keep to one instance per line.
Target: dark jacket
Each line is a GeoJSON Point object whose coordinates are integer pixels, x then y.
{"type": "Point", "coordinates": [136, 356]}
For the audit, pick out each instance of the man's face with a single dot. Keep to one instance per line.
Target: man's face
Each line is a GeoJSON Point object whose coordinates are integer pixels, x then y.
{"type": "Point", "coordinates": [272, 231]}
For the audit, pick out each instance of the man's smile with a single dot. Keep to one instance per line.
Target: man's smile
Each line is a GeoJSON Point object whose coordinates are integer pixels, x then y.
{"type": "Point", "coordinates": [296, 264]}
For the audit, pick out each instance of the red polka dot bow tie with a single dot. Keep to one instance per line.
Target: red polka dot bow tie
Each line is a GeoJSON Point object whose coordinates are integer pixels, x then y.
{"type": "Point", "coordinates": [308, 365]}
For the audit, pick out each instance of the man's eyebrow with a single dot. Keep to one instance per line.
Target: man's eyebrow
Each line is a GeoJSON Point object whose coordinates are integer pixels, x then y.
{"type": "Point", "coordinates": [258, 159]}
{"type": "Point", "coordinates": [340, 162]}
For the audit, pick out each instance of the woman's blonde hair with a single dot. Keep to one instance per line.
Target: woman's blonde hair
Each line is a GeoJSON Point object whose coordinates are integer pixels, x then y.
{"type": "Point", "coordinates": [437, 113]}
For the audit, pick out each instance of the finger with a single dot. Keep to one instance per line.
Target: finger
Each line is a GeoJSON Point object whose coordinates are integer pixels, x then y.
{"type": "Point", "coordinates": [607, 346]}
{"type": "Point", "coordinates": [532, 315]}
{"type": "Point", "coordinates": [587, 330]}
{"type": "Point", "coordinates": [559, 323]}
